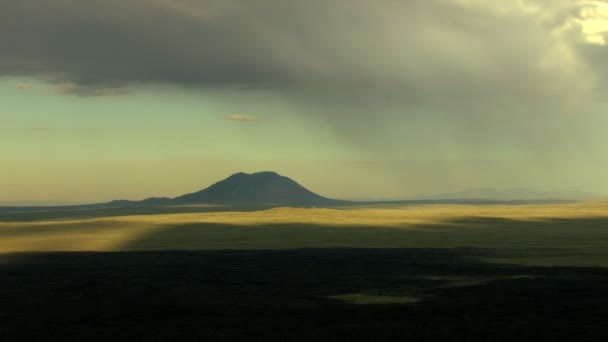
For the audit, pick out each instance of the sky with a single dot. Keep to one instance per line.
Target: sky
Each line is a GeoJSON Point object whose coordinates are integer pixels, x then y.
{"type": "Point", "coordinates": [101, 100]}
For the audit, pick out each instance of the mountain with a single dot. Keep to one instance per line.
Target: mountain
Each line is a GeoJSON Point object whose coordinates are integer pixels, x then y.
{"type": "Point", "coordinates": [271, 189]}
{"type": "Point", "coordinates": [240, 189]}
{"type": "Point", "coordinates": [267, 188]}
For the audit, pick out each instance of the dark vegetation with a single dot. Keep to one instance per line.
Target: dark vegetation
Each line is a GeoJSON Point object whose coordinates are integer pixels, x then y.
{"type": "Point", "coordinates": [289, 295]}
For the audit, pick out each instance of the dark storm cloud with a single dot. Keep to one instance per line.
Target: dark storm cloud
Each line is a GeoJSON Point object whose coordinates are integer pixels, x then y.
{"type": "Point", "coordinates": [466, 72]}
{"type": "Point", "coordinates": [383, 50]}
{"type": "Point", "coordinates": [94, 44]}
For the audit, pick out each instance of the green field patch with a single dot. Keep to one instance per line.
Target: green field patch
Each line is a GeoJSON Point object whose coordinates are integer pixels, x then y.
{"type": "Point", "coordinates": [573, 257]}
{"type": "Point", "coordinates": [565, 261]}
{"type": "Point", "coordinates": [456, 281]}
{"type": "Point", "coordinates": [368, 299]}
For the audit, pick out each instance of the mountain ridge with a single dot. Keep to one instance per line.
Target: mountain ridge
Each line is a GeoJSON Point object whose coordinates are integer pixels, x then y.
{"type": "Point", "coordinates": [259, 188]}
{"type": "Point", "coordinates": [266, 187]}
{"type": "Point", "coordinates": [270, 189]}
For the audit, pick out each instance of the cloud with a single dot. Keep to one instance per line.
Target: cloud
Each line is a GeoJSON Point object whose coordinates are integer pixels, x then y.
{"type": "Point", "coordinates": [448, 48]}
{"type": "Point", "coordinates": [243, 118]}
{"type": "Point", "coordinates": [385, 79]}
{"type": "Point", "coordinates": [383, 74]}
{"type": "Point", "coordinates": [24, 86]}
{"type": "Point", "coordinates": [70, 88]}
{"type": "Point", "coordinates": [39, 127]}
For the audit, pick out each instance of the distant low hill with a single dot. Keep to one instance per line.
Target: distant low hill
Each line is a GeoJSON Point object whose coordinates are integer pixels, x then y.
{"type": "Point", "coordinates": [515, 193]}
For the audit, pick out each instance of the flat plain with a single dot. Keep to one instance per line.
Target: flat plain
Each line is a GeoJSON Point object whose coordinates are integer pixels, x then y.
{"type": "Point", "coordinates": [453, 272]}
{"type": "Point", "coordinates": [554, 234]}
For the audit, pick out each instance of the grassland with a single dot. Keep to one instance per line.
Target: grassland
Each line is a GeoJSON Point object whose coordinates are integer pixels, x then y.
{"type": "Point", "coordinates": [557, 234]}
{"type": "Point", "coordinates": [384, 273]}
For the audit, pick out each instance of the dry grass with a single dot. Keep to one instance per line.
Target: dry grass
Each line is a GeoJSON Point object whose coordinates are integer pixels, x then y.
{"type": "Point", "coordinates": [119, 232]}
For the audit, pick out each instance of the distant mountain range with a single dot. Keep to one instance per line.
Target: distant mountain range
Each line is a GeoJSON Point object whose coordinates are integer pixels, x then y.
{"type": "Point", "coordinates": [268, 189]}
{"type": "Point", "coordinates": [515, 194]}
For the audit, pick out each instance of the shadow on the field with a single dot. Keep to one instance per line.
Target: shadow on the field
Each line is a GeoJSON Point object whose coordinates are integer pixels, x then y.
{"type": "Point", "coordinates": [261, 283]}
{"type": "Point", "coordinates": [479, 232]}
{"type": "Point", "coordinates": [296, 295]}
{"type": "Point", "coordinates": [88, 211]}
{"type": "Point", "coordinates": [26, 214]}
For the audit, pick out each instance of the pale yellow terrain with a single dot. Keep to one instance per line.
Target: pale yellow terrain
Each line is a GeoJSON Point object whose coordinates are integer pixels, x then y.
{"type": "Point", "coordinates": [581, 226]}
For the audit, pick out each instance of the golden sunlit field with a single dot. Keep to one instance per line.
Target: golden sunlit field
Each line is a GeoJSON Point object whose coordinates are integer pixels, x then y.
{"type": "Point", "coordinates": [561, 234]}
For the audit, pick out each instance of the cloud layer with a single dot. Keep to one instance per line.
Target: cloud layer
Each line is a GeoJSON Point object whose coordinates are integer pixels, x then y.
{"type": "Point", "coordinates": [452, 76]}
{"type": "Point", "coordinates": [456, 48]}
{"type": "Point", "coordinates": [24, 86]}
{"type": "Point", "coordinates": [243, 118]}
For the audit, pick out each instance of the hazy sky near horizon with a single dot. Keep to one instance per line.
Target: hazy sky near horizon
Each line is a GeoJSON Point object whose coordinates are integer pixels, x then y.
{"type": "Point", "coordinates": [355, 99]}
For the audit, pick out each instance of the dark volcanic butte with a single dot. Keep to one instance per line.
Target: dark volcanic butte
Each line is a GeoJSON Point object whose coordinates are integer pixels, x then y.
{"type": "Point", "coordinates": [257, 188]}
